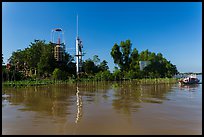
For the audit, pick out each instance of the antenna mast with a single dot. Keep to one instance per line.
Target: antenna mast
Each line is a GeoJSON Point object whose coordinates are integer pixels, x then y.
{"type": "Point", "coordinates": [79, 47]}
{"type": "Point", "coordinates": [77, 25]}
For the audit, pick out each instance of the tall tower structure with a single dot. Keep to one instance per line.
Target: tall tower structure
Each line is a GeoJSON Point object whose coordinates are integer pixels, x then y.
{"type": "Point", "coordinates": [79, 47]}
{"type": "Point", "coordinates": [57, 38]}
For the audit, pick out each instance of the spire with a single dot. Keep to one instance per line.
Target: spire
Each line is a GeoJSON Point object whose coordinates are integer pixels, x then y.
{"type": "Point", "coordinates": [77, 25]}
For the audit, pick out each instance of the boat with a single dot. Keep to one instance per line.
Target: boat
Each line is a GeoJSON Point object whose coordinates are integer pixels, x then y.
{"type": "Point", "coordinates": [192, 79]}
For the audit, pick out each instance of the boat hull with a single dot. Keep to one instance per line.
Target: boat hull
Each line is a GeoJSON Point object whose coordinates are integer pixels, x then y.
{"type": "Point", "coordinates": [189, 82]}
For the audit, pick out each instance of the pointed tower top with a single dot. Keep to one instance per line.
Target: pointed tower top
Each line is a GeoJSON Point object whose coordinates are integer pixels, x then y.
{"type": "Point", "coordinates": [77, 25]}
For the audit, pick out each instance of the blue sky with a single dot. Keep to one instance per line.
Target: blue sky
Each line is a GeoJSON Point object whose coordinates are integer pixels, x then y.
{"type": "Point", "coordinates": [171, 28]}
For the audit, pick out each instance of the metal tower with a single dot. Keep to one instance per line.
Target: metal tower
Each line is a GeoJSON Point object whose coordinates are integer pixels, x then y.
{"type": "Point", "coordinates": [79, 47]}
{"type": "Point", "coordinates": [57, 38]}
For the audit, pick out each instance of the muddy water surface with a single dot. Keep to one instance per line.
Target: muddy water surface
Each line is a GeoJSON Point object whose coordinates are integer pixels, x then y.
{"type": "Point", "coordinates": [102, 108]}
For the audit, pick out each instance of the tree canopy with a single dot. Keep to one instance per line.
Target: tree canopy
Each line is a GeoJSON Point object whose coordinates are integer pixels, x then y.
{"type": "Point", "coordinates": [38, 59]}
{"type": "Point", "coordinates": [128, 61]}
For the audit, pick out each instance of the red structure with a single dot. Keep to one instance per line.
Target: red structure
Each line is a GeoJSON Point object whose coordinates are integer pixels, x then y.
{"type": "Point", "coordinates": [8, 66]}
{"type": "Point", "coordinates": [59, 47]}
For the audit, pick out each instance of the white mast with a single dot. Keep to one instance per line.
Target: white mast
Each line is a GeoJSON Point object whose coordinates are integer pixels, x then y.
{"type": "Point", "coordinates": [78, 52]}
{"type": "Point", "coordinates": [77, 25]}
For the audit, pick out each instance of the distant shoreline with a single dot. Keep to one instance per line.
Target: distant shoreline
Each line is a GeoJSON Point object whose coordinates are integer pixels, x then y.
{"type": "Point", "coordinates": [188, 73]}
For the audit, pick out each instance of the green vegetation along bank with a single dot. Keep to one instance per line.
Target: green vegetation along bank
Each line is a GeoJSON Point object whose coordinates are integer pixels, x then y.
{"type": "Point", "coordinates": [36, 65]}
{"type": "Point", "coordinates": [27, 83]}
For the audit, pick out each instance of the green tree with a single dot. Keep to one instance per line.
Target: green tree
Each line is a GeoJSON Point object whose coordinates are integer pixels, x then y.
{"type": "Point", "coordinates": [47, 62]}
{"type": "Point", "coordinates": [40, 56]}
{"type": "Point", "coordinates": [159, 57]}
{"type": "Point", "coordinates": [103, 66]}
{"type": "Point", "coordinates": [18, 57]}
{"type": "Point", "coordinates": [134, 59]}
{"type": "Point", "coordinates": [96, 59]}
{"type": "Point", "coordinates": [116, 55]}
{"type": "Point", "coordinates": [34, 52]}
{"type": "Point", "coordinates": [57, 74]}
{"type": "Point", "coordinates": [117, 74]}
{"type": "Point", "coordinates": [160, 68]}
{"type": "Point", "coordinates": [103, 75]}
{"type": "Point", "coordinates": [128, 63]}
{"type": "Point", "coordinates": [121, 54]}
{"type": "Point", "coordinates": [89, 66]}
{"type": "Point", "coordinates": [152, 57]}
{"type": "Point", "coordinates": [126, 50]}
{"type": "Point", "coordinates": [69, 65]}
{"type": "Point", "coordinates": [144, 55]}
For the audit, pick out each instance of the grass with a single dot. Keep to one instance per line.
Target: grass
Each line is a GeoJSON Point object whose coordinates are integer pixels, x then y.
{"type": "Point", "coordinates": [26, 83]}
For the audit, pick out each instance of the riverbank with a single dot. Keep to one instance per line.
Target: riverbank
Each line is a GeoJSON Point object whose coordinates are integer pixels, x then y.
{"type": "Point", "coordinates": [26, 83]}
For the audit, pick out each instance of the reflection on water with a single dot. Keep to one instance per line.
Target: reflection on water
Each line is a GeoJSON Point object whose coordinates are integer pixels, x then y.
{"type": "Point", "coordinates": [128, 97]}
{"type": "Point", "coordinates": [102, 108]}
{"type": "Point", "coordinates": [189, 87]}
{"type": "Point", "coordinates": [79, 106]}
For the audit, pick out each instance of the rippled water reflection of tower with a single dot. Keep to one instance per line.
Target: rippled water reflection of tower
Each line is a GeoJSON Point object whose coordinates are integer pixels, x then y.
{"type": "Point", "coordinates": [57, 38]}
{"type": "Point", "coordinates": [79, 106]}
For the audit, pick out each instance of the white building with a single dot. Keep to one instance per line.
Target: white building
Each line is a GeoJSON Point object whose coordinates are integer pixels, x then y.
{"type": "Point", "coordinates": [143, 64]}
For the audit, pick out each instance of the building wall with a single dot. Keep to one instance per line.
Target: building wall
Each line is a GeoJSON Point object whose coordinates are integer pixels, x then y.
{"type": "Point", "coordinates": [143, 64]}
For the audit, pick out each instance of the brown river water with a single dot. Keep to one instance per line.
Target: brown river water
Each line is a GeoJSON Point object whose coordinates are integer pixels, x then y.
{"type": "Point", "coordinates": [103, 109]}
